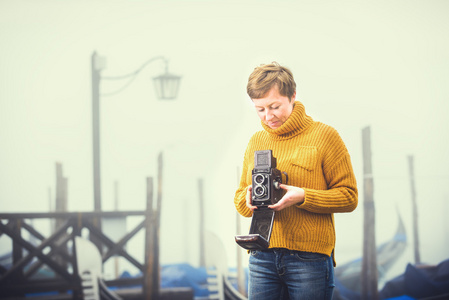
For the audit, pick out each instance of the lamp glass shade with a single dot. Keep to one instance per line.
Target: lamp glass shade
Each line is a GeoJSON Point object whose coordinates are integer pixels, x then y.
{"type": "Point", "coordinates": [167, 86]}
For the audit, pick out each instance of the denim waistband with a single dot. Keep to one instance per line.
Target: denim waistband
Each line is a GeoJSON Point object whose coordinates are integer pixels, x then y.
{"type": "Point", "coordinates": [288, 251]}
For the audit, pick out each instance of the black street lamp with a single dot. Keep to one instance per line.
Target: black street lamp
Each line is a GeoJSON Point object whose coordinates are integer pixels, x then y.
{"type": "Point", "coordinates": [166, 87]}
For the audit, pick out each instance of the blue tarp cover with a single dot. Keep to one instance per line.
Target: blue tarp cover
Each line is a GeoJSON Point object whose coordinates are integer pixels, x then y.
{"type": "Point", "coordinates": [184, 275]}
{"type": "Point", "coordinates": [419, 282]}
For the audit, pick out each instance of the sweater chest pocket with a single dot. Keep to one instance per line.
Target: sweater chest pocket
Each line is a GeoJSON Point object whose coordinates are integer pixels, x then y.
{"type": "Point", "coordinates": [305, 157]}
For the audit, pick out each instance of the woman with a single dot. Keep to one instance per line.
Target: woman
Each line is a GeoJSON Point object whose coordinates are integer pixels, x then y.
{"type": "Point", "coordinates": [299, 262]}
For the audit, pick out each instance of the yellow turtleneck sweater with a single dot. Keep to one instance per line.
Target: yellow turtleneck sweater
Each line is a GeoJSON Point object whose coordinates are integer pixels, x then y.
{"type": "Point", "coordinates": [315, 159]}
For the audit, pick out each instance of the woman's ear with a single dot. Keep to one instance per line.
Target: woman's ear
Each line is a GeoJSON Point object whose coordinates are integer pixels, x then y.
{"type": "Point", "coordinates": [293, 97]}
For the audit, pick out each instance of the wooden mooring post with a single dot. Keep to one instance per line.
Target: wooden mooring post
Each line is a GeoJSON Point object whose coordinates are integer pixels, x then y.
{"type": "Point", "coordinates": [60, 205]}
{"type": "Point", "coordinates": [202, 232]}
{"type": "Point", "coordinates": [415, 210]}
{"type": "Point", "coordinates": [150, 282]}
{"type": "Point", "coordinates": [156, 267]}
{"type": "Point", "coordinates": [369, 261]}
{"type": "Point", "coordinates": [152, 289]}
{"type": "Point", "coordinates": [61, 195]}
{"type": "Point", "coordinates": [241, 287]}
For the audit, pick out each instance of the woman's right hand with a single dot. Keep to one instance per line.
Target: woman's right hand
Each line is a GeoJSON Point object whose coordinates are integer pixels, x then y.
{"type": "Point", "coordinates": [249, 204]}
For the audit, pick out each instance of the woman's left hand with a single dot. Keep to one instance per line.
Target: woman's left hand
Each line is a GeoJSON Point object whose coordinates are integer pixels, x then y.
{"type": "Point", "coordinates": [294, 195]}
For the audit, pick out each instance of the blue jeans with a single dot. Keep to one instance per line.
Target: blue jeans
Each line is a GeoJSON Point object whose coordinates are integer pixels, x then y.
{"type": "Point", "coordinates": [284, 274]}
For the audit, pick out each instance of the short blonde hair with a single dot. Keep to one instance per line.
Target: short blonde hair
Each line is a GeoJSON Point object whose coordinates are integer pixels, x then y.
{"type": "Point", "coordinates": [264, 77]}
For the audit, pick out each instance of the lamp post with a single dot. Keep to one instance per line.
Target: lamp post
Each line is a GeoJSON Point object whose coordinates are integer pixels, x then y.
{"type": "Point", "coordinates": [166, 86]}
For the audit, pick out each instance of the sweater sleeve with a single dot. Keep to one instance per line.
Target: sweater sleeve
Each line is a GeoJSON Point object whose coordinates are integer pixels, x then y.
{"type": "Point", "coordinates": [341, 193]}
{"type": "Point", "coordinates": [240, 194]}
{"type": "Point", "coordinates": [341, 196]}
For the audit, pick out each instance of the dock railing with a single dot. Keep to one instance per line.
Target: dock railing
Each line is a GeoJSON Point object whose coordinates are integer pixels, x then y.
{"type": "Point", "coordinates": [58, 254]}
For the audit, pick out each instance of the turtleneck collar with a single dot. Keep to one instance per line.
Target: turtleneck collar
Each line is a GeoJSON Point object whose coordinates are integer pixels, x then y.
{"type": "Point", "coordinates": [296, 123]}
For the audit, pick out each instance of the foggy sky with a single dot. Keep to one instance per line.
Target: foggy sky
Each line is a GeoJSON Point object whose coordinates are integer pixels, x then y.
{"type": "Point", "coordinates": [383, 64]}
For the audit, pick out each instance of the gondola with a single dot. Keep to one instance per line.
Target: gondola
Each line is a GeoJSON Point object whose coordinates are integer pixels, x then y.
{"type": "Point", "coordinates": [348, 276]}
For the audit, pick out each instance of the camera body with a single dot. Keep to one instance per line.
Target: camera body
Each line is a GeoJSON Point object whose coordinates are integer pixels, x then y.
{"type": "Point", "coordinates": [266, 179]}
{"type": "Point", "coordinates": [266, 190]}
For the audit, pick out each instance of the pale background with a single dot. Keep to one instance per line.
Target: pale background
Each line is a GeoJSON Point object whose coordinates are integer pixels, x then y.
{"type": "Point", "coordinates": [383, 64]}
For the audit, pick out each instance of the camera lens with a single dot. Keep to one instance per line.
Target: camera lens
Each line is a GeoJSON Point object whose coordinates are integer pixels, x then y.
{"type": "Point", "coordinates": [259, 191]}
{"type": "Point", "coordinates": [259, 178]}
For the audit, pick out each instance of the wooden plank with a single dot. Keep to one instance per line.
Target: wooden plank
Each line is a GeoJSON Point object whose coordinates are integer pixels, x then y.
{"type": "Point", "coordinates": [16, 274]}
{"type": "Point", "coordinates": [36, 252]}
{"type": "Point", "coordinates": [122, 242]}
{"type": "Point", "coordinates": [66, 215]}
{"type": "Point", "coordinates": [109, 243]}
{"type": "Point", "coordinates": [55, 251]}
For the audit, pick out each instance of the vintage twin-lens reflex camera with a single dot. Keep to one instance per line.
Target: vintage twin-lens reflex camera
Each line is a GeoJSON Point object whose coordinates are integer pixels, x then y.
{"type": "Point", "coordinates": [266, 180]}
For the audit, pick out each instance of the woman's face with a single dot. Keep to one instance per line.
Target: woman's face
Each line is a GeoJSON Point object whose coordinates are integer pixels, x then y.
{"type": "Point", "coordinates": [274, 109]}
